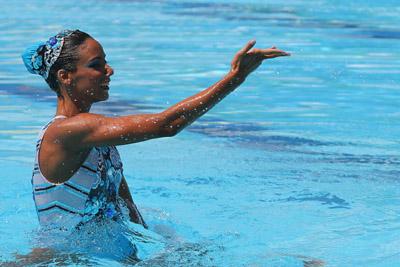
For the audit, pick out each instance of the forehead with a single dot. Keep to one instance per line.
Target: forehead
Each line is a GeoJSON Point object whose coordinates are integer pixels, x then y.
{"type": "Point", "coordinates": [89, 49]}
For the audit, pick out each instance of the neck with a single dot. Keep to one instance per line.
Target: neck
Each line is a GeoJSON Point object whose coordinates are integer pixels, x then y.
{"type": "Point", "coordinates": [68, 107]}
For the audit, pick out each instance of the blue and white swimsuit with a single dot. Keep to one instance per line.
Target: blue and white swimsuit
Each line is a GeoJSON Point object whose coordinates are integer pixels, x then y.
{"type": "Point", "coordinates": [92, 192]}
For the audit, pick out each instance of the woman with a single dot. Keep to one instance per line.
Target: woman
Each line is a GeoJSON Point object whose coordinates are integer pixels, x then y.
{"type": "Point", "coordinates": [78, 173]}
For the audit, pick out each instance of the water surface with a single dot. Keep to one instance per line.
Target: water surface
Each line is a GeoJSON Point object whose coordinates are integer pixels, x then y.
{"type": "Point", "coordinates": [302, 159]}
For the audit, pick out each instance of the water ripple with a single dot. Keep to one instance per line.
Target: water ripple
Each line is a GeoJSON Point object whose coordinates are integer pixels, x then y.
{"type": "Point", "coordinates": [333, 201]}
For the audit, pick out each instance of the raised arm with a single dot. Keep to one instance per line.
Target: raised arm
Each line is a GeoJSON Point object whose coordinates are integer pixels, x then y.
{"type": "Point", "coordinates": [87, 130]}
{"type": "Point", "coordinates": [245, 61]}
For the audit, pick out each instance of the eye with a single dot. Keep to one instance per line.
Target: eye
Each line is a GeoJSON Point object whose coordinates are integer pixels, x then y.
{"type": "Point", "coordinates": [94, 65]}
{"type": "Point", "coordinates": [97, 64]}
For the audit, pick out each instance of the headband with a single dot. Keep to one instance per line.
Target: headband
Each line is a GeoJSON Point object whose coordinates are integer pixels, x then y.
{"type": "Point", "coordinates": [39, 57]}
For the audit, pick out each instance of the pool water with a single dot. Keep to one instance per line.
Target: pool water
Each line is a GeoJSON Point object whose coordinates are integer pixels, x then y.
{"type": "Point", "coordinates": [299, 163]}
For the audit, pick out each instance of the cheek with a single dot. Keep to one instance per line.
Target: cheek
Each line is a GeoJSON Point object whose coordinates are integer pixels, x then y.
{"type": "Point", "coordinates": [90, 91]}
{"type": "Point", "coordinates": [88, 84]}
{"type": "Point", "coordinates": [90, 75]}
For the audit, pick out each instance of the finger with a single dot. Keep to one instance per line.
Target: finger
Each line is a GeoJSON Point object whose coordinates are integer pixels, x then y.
{"type": "Point", "coordinates": [247, 47]}
{"type": "Point", "coordinates": [239, 55]}
{"type": "Point", "coordinates": [276, 55]}
{"type": "Point", "coordinates": [274, 52]}
{"type": "Point", "coordinates": [271, 50]}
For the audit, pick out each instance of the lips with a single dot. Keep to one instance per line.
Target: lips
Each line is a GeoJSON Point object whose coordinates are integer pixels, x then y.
{"type": "Point", "coordinates": [105, 85]}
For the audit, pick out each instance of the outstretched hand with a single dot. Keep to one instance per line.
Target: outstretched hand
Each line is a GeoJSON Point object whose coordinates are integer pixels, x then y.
{"type": "Point", "coordinates": [248, 59]}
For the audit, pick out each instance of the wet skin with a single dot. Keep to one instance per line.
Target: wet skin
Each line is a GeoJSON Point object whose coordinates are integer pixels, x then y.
{"type": "Point", "coordinates": [67, 142]}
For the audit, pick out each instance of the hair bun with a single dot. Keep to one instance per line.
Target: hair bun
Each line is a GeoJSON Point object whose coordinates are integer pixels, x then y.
{"type": "Point", "coordinates": [33, 58]}
{"type": "Point", "coordinates": [39, 57]}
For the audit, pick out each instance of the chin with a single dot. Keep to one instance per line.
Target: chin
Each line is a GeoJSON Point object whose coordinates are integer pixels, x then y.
{"type": "Point", "coordinates": [101, 98]}
{"type": "Point", "coordinates": [104, 98]}
{"type": "Point", "coordinates": [106, 95]}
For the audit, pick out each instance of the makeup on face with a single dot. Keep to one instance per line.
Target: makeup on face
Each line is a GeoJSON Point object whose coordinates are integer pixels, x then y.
{"type": "Point", "coordinates": [95, 72]}
{"type": "Point", "coordinates": [97, 62]}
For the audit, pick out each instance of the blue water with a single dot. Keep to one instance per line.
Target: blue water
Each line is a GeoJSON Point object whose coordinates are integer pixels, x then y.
{"type": "Point", "coordinates": [301, 162]}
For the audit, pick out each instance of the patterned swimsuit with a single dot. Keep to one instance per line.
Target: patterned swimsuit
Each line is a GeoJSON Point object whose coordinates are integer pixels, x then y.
{"type": "Point", "coordinates": [92, 192]}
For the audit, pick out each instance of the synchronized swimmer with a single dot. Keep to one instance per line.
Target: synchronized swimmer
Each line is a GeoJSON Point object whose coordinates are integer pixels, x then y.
{"type": "Point", "coordinates": [78, 175]}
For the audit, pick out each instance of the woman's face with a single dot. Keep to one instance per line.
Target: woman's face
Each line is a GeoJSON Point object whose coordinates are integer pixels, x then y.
{"type": "Point", "coordinates": [91, 79]}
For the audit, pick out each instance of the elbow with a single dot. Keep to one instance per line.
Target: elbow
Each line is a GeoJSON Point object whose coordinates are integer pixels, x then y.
{"type": "Point", "coordinates": [169, 131]}
{"type": "Point", "coordinates": [169, 127]}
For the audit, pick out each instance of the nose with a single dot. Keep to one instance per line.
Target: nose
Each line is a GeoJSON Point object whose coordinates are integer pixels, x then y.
{"type": "Point", "coordinates": [109, 70]}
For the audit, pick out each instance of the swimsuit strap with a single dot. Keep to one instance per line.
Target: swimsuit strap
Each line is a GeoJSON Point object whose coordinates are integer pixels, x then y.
{"type": "Point", "coordinates": [59, 117]}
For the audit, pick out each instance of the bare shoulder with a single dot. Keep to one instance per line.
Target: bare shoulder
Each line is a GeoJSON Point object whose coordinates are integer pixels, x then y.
{"type": "Point", "coordinates": [68, 132]}
{"type": "Point", "coordinates": [81, 120]}
{"type": "Point", "coordinates": [62, 150]}
{"type": "Point", "coordinates": [86, 130]}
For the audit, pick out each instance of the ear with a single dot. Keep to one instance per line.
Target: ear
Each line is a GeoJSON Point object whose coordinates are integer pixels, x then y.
{"type": "Point", "coordinates": [64, 77]}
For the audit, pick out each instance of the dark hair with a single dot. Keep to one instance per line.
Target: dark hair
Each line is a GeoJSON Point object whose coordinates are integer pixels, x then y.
{"type": "Point", "coordinates": [67, 59]}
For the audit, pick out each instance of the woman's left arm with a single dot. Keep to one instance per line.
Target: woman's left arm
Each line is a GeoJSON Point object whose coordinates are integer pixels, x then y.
{"type": "Point", "coordinates": [134, 213]}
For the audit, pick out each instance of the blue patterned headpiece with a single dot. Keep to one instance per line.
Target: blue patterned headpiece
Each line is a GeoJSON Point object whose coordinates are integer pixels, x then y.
{"type": "Point", "coordinates": [39, 58]}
